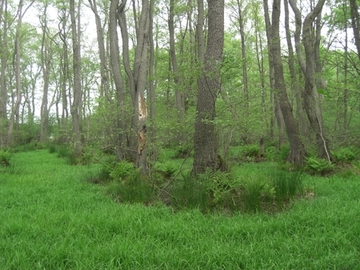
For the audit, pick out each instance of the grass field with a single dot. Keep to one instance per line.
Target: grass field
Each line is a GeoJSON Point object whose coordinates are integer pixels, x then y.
{"type": "Point", "coordinates": [50, 218]}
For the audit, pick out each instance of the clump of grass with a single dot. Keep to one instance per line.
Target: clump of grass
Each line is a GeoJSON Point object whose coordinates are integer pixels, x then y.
{"type": "Point", "coordinates": [286, 185]}
{"type": "Point", "coordinates": [189, 192]}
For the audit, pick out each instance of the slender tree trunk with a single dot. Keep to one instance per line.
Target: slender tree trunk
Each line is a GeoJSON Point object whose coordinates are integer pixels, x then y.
{"type": "Point", "coordinates": [294, 76]}
{"type": "Point", "coordinates": [355, 23]}
{"type": "Point", "coordinates": [45, 66]}
{"type": "Point", "coordinates": [273, 99]}
{"type": "Point", "coordinates": [297, 150]}
{"type": "Point", "coordinates": [104, 87]}
{"type": "Point", "coordinates": [309, 68]}
{"type": "Point", "coordinates": [137, 76]}
{"type": "Point", "coordinates": [179, 100]}
{"type": "Point", "coordinates": [3, 63]}
{"type": "Point", "coordinates": [205, 139]}
{"type": "Point", "coordinates": [77, 89]}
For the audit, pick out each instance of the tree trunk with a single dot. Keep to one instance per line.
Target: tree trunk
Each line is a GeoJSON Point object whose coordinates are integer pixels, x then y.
{"type": "Point", "coordinates": [104, 87]}
{"type": "Point", "coordinates": [295, 84]}
{"type": "Point", "coordinates": [297, 150]}
{"type": "Point", "coordinates": [77, 91]}
{"type": "Point", "coordinates": [3, 90]}
{"type": "Point", "coordinates": [179, 99]}
{"type": "Point", "coordinates": [355, 23]}
{"type": "Point", "coordinates": [45, 66]}
{"type": "Point", "coordinates": [205, 139]}
{"type": "Point", "coordinates": [308, 66]}
{"type": "Point", "coordinates": [137, 76]}
{"type": "Point", "coordinates": [273, 97]}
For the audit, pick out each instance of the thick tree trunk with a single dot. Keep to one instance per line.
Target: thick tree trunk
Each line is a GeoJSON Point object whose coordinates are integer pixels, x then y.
{"type": "Point", "coordinates": [205, 139]}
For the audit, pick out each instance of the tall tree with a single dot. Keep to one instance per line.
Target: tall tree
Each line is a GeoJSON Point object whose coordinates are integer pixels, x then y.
{"type": "Point", "coordinates": [14, 118]}
{"type": "Point", "coordinates": [309, 66]}
{"type": "Point", "coordinates": [205, 139]}
{"type": "Point", "coordinates": [297, 150]}
{"type": "Point", "coordinates": [355, 23]}
{"type": "Point", "coordinates": [46, 59]}
{"type": "Point", "coordinates": [137, 76]}
{"type": "Point", "coordinates": [77, 90]}
{"type": "Point", "coordinates": [3, 63]}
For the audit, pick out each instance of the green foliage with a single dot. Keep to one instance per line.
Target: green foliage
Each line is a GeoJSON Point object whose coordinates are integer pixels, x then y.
{"type": "Point", "coordinates": [166, 169]}
{"type": "Point", "coordinates": [189, 192]}
{"type": "Point", "coordinates": [250, 152]}
{"type": "Point", "coordinates": [343, 155]}
{"type": "Point", "coordinates": [132, 187]}
{"type": "Point", "coordinates": [318, 166]}
{"type": "Point", "coordinates": [68, 154]}
{"type": "Point", "coordinates": [122, 170]}
{"type": "Point", "coordinates": [5, 158]}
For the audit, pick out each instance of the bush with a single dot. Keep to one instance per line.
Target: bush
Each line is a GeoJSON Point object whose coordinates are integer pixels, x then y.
{"type": "Point", "coordinates": [131, 187]}
{"type": "Point", "coordinates": [190, 192]}
{"type": "Point", "coordinates": [318, 166]}
{"type": "Point", "coordinates": [343, 155]}
{"type": "Point", "coordinates": [5, 157]}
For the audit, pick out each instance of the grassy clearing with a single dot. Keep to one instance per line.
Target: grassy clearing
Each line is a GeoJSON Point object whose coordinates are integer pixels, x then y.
{"type": "Point", "coordinates": [51, 219]}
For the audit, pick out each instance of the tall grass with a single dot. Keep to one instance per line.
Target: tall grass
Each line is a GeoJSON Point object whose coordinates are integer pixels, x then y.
{"type": "Point", "coordinates": [51, 219]}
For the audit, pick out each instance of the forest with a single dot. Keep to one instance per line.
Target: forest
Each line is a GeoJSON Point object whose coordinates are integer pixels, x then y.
{"type": "Point", "coordinates": [191, 134]}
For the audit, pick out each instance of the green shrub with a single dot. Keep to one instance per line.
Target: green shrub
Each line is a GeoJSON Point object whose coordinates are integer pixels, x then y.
{"type": "Point", "coordinates": [122, 170]}
{"type": "Point", "coordinates": [222, 190]}
{"type": "Point", "coordinates": [318, 166]}
{"type": "Point", "coordinates": [131, 187]}
{"type": "Point", "coordinates": [190, 192]}
{"type": "Point", "coordinates": [52, 149]}
{"type": "Point", "coordinates": [166, 169]}
{"type": "Point", "coordinates": [343, 155]}
{"type": "Point", "coordinates": [5, 157]}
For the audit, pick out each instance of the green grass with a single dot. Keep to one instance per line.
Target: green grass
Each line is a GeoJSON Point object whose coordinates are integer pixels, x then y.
{"type": "Point", "coordinates": [50, 218]}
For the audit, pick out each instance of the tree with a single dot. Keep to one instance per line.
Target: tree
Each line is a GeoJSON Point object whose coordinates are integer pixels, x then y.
{"type": "Point", "coordinates": [355, 23]}
{"type": "Point", "coordinates": [77, 89]}
{"type": "Point", "coordinates": [137, 76]}
{"type": "Point", "coordinates": [310, 68]}
{"type": "Point", "coordinates": [297, 150]}
{"type": "Point", "coordinates": [205, 139]}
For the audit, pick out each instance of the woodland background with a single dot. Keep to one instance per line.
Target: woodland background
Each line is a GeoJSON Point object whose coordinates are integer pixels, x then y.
{"type": "Point", "coordinates": [78, 73]}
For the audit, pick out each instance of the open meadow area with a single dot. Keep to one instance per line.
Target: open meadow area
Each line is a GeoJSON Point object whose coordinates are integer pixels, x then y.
{"type": "Point", "coordinates": [51, 218]}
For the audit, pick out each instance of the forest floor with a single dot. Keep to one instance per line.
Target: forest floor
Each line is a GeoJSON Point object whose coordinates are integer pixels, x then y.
{"type": "Point", "coordinates": [50, 218]}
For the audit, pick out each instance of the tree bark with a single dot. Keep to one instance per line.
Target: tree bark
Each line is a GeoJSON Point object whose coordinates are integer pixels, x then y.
{"type": "Point", "coordinates": [137, 76]}
{"type": "Point", "coordinates": [355, 23]}
{"type": "Point", "coordinates": [3, 90]}
{"type": "Point", "coordinates": [205, 139]}
{"type": "Point", "coordinates": [77, 90]}
{"type": "Point", "coordinates": [297, 150]}
{"type": "Point", "coordinates": [308, 66]}
{"type": "Point", "coordinates": [273, 99]}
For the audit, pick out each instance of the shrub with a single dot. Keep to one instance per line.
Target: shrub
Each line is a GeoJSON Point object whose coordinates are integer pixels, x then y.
{"type": "Point", "coordinates": [190, 192]}
{"type": "Point", "coordinates": [318, 166]}
{"type": "Point", "coordinates": [343, 155]}
{"type": "Point", "coordinates": [131, 187]}
{"type": "Point", "coordinates": [166, 169]}
{"type": "Point", "coordinates": [5, 157]}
